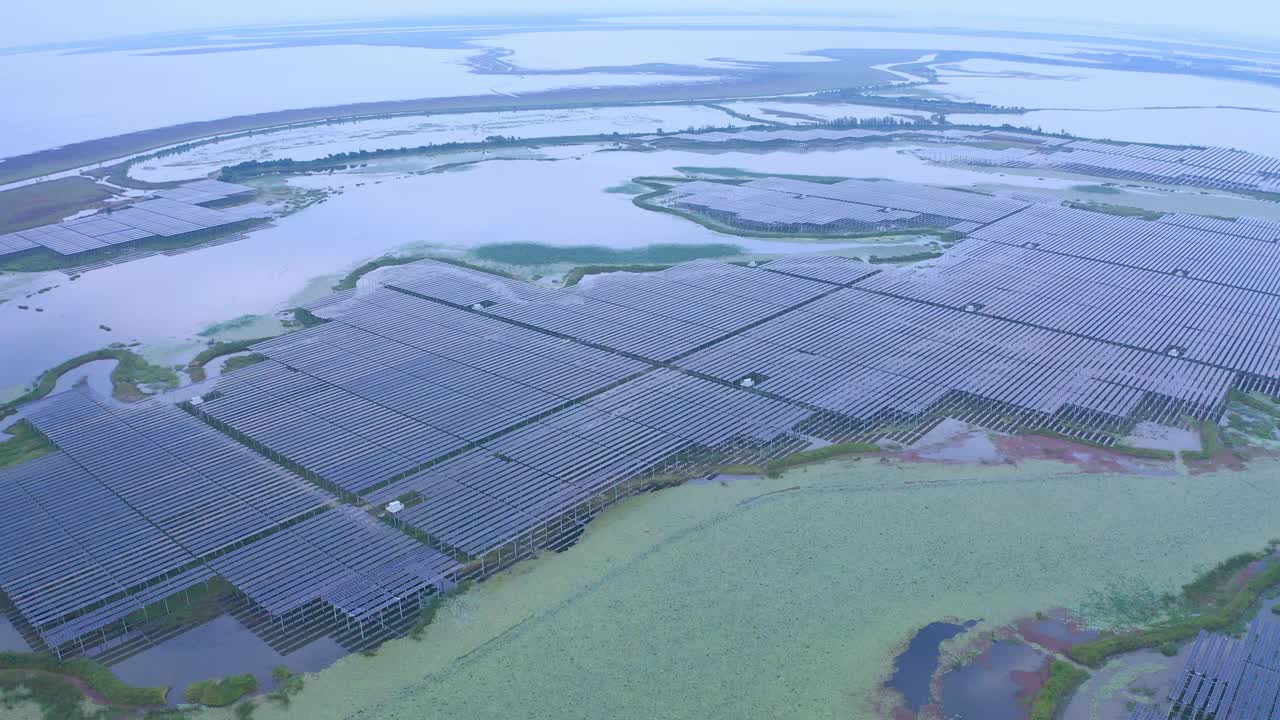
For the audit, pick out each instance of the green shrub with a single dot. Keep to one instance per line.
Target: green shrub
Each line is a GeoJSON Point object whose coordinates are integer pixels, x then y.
{"type": "Point", "coordinates": [24, 444]}
{"type": "Point", "coordinates": [1063, 680]}
{"type": "Point", "coordinates": [1169, 649]}
{"type": "Point", "coordinates": [1202, 587]}
{"type": "Point", "coordinates": [829, 452]}
{"type": "Point", "coordinates": [242, 361]}
{"type": "Point", "coordinates": [1093, 653]}
{"type": "Point", "coordinates": [220, 692]}
{"type": "Point", "coordinates": [93, 673]}
{"type": "Point", "coordinates": [287, 682]}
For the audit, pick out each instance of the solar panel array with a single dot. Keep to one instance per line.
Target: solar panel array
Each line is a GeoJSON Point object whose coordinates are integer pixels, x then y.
{"type": "Point", "coordinates": [398, 382]}
{"type": "Point", "coordinates": [171, 212]}
{"type": "Point", "coordinates": [70, 543]}
{"type": "Point", "coordinates": [504, 415]}
{"type": "Point", "coordinates": [145, 501]}
{"type": "Point", "coordinates": [516, 483]}
{"type": "Point", "coordinates": [1217, 168]}
{"type": "Point", "coordinates": [784, 204]}
{"type": "Point", "coordinates": [342, 557]}
{"type": "Point", "coordinates": [1227, 679]}
{"type": "Point", "coordinates": [662, 315]}
{"type": "Point", "coordinates": [1223, 327]}
{"type": "Point", "coordinates": [867, 356]}
{"type": "Point", "coordinates": [200, 192]}
{"type": "Point", "coordinates": [459, 285]}
{"type": "Point", "coordinates": [825, 268]}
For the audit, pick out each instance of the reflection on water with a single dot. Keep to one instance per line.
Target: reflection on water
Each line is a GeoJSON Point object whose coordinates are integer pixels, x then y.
{"type": "Point", "coordinates": [557, 202]}
{"type": "Point", "coordinates": [988, 688]}
{"type": "Point", "coordinates": [914, 668]}
{"type": "Point", "coordinates": [217, 649]}
{"type": "Point", "coordinates": [10, 638]}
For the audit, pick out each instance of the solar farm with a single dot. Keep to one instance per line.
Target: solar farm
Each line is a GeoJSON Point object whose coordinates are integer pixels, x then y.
{"type": "Point", "coordinates": [443, 422]}
{"type": "Point", "coordinates": [798, 206]}
{"type": "Point", "coordinates": [1206, 167]}
{"type": "Point", "coordinates": [171, 212]}
{"type": "Point", "coordinates": [1226, 678]}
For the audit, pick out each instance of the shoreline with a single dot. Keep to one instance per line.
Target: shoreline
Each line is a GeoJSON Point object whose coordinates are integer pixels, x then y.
{"type": "Point", "coordinates": [753, 494]}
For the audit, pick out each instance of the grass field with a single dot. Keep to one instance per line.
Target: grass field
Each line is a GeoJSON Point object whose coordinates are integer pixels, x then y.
{"type": "Point", "coordinates": [48, 202]}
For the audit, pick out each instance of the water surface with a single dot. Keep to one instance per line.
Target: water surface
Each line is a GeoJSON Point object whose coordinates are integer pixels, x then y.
{"type": "Point", "coordinates": [789, 597]}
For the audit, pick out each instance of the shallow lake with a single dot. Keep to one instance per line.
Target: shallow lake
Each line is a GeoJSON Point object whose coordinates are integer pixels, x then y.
{"type": "Point", "coordinates": [557, 198]}
{"type": "Point", "coordinates": [219, 648]}
{"type": "Point", "coordinates": [1040, 86]}
{"type": "Point", "coordinates": [1252, 130]}
{"type": "Point", "coordinates": [52, 99]}
{"type": "Point", "coordinates": [790, 597]}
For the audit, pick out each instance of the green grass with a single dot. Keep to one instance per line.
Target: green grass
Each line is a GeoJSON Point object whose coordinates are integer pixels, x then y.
{"type": "Point", "coordinates": [197, 605]}
{"type": "Point", "coordinates": [23, 445]}
{"type": "Point", "coordinates": [1095, 652]}
{"type": "Point", "coordinates": [527, 254]}
{"type": "Point", "coordinates": [306, 318]}
{"type": "Point", "coordinates": [133, 370]}
{"type": "Point", "coordinates": [48, 202]}
{"type": "Point", "coordinates": [218, 349]}
{"type": "Point", "coordinates": [96, 675]}
{"type": "Point", "coordinates": [354, 276]}
{"type": "Point", "coordinates": [738, 173]}
{"type": "Point", "coordinates": [829, 452]}
{"type": "Point", "coordinates": [220, 692]}
{"type": "Point", "coordinates": [574, 276]}
{"type": "Point", "coordinates": [1208, 587]}
{"type": "Point", "coordinates": [628, 188]}
{"type": "Point", "coordinates": [1063, 680]}
{"type": "Point", "coordinates": [1210, 443]}
{"type": "Point", "coordinates": [130, 371]}
{"type": "Point", "coordinates": [741, 470]}
{"type": "Point", "coordinates": [913, 257]}
{"type": "Point", "coordinates": [57, 697]}
{"type": "Point", "coordinates": [287, 682]}
{"type": "Point", "coordinates": [242, 361]}
{"type": "Point", "coordinates": [1120, 210]}
{"type": "Point", "coordinates": [1099, 189]}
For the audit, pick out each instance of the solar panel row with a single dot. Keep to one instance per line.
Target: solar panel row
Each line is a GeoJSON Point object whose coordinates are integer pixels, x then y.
{"type": "Point", "coordinates": [172, 212]}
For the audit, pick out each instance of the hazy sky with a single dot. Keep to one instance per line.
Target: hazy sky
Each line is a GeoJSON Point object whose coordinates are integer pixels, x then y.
{"type": "Point", "coordinates": [58, 20]}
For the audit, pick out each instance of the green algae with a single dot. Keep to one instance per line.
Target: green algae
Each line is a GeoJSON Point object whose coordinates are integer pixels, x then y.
{"type": "Point", "coordinates": [788, 597]}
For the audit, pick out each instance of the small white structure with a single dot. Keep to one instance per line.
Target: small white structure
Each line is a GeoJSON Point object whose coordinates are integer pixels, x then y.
{"type": "Point", "coordinates": [747, 382]}
{"type": "Point", "coordinates": [395, 506]}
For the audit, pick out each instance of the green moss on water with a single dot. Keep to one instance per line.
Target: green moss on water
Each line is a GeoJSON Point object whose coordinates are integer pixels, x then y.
{"type": "Point", "coordinates": [220, 692]}
{"type": "Point", "coordinates": [628, 188]}
{"type": "Point", "coordinates": [1098, 189]}
{"type": "Point", "coordinates": [239, 323]}
{"type": "Point", "coordinates": [788, 597]}
{"type": "Point", "coordinates": [525, 254]}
